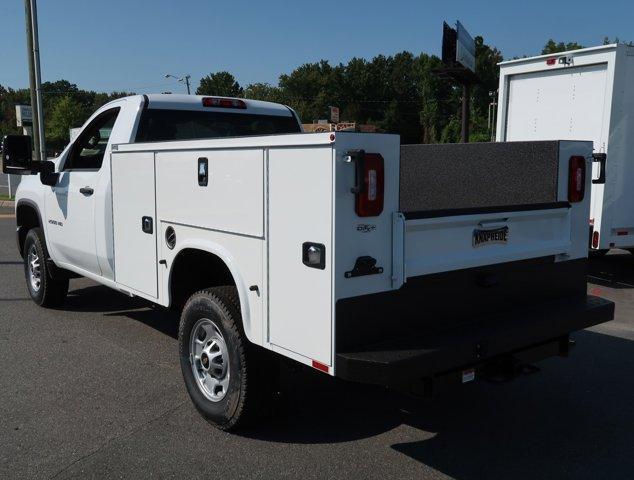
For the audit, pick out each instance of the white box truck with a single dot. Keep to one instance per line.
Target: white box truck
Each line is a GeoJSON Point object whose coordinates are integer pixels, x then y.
{"type": "Point", "coordinates": [401, 266]}
{"type": "Point", "coordinates": [585, 94]}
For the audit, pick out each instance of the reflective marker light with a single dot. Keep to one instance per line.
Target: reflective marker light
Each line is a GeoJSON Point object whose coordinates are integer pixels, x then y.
{"type": "Point", "coordinates": [576, 179]}
{"type": "Point", "coordinates": [595, 239]}
{"type": "Point", "coordinates": [224, 103]}
{"type": "Point", "coordinates": [551, 61]}
{"type": "Point", "coordinates": [320, 366]}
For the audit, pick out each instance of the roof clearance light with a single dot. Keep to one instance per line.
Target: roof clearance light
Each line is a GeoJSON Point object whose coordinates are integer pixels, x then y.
{"type": "Point", "coordinates": [216, 102]}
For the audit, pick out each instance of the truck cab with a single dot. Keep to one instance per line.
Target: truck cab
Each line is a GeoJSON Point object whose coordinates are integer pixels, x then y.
{"type": "Point", "coordinates": [78, 208]}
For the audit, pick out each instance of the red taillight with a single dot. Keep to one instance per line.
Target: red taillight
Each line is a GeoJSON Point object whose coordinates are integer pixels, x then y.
{"type": "Point", "coordinates": [369, 198]}
{"type": "Point", "coordinates": [576, 179]}
{"type": "Point", "coordinates": [595, 239]}
{"type": "Point", "coordinates": [551, 61]}
{"type": "Point", "coordinates": [224, 103]}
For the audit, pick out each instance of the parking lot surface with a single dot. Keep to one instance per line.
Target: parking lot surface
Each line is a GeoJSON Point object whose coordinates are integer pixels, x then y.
{"type": "Point", "coordinates": [94, 390]}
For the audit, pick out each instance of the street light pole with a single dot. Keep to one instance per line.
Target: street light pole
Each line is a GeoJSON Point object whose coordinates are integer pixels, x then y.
{"type": "Point", "coordinates": [184, 78]}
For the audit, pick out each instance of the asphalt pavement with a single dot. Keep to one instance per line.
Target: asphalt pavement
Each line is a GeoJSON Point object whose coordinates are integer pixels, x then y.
{"type": "Point", "coordinates": [95, 391]}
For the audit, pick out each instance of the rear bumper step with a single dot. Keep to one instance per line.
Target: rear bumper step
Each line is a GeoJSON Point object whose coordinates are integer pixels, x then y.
{"type": "Point", "coordinates": [395, 362]}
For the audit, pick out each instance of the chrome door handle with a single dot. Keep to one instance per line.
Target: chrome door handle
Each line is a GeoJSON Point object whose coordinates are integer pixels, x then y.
{"type": "Point", "coordinates": [86, 191]}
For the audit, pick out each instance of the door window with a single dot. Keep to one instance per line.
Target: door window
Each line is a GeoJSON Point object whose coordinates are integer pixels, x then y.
{"type": "Point", "coordinates": [88, 150]}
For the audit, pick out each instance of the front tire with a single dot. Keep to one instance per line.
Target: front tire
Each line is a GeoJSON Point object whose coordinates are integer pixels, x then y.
{"type": "Point", "coordinates": [45, 290]}
{"type": "Point", "coordinates": [217, 361]}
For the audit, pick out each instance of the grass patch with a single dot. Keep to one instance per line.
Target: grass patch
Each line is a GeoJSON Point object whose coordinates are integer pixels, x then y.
{"type": "Point", "coordinates": [4, 196]}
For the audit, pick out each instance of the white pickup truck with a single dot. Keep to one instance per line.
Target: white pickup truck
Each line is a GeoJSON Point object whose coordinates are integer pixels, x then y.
{"type": "Point", "coordinates": [405, 266]}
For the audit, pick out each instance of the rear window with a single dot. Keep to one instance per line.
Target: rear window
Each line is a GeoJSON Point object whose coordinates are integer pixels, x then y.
{"type": "Point", "coordinates": [161, 125]}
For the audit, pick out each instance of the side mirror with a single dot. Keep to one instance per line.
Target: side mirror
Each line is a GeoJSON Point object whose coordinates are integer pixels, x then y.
{"type": "Point", "coordinates": [17, 155]}
{"type": "Point", "coordinates": [47, 173]}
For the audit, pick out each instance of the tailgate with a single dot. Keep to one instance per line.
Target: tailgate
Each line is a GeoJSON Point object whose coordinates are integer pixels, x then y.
{"type": "Point", "coordinates": [470, 205]}
{"type": "Point", "coordinates": [432, 245]}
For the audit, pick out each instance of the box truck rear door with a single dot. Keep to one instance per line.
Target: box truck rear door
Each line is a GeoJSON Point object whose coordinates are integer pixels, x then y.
{"type": "Point", "coordinates": [568, 103]}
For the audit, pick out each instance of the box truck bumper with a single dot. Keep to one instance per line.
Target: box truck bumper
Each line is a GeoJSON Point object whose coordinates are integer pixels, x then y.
{"type": "Point", "coordinates": [531, 333]}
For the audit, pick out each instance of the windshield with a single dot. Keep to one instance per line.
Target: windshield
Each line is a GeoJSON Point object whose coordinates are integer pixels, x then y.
{"type": "Point", "coordinates": [162, 125]}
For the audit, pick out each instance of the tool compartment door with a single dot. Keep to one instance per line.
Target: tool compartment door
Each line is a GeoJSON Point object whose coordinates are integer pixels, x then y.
{"type": "Point", "coordinates": [134, 221]}
{"type": "Point", "coordinates": [300, 210]}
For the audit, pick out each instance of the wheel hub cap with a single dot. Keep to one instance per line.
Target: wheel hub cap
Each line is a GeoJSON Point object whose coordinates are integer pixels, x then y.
{"type": "Point", "coordinates": [34, 269]}
{"type": "Point", "coordinates": [209, 359]}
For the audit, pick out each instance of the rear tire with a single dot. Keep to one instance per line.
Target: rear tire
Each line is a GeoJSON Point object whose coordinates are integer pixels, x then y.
{"type": "Point", "coordinates": [219, 365]}
{"type": "Point", "coordinates": [44, 288]}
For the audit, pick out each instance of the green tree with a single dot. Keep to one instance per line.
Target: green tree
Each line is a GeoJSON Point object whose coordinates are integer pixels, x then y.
{"type": "Point", "coordinates": [608, 41]}
{"type": "Point", "coordinates": [221, 84]}
{"type": "Point", "coordinates": [264, 91]}
{"type": "Point", "coordinates": [554, 47]}
{"type": "Point", "coordinates": [67, 113]}
{"type": "Point", "coordinates": [439, 99]}
{"type": "Point", "coordinates": [485, 91]}
{"type": "Point", "coordinates": [312, 88]}
{"type": "Point", "coordinates": [9, 98]}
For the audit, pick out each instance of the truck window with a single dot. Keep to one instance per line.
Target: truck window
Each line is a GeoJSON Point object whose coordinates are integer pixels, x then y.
{"type": "Point", "coordinates": [162, 125]}
{"type": "Point", "coordinates": [88, 150]}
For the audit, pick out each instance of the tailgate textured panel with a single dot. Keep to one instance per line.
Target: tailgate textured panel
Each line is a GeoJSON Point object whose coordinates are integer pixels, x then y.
{"type": "Point", "coordinates": [475, 175]}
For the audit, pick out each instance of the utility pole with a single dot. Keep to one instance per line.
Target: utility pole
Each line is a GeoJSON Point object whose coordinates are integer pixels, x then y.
{"type": "Point", "coordinates": [35, 78]}
{"type": "Point", "coordinates": [466, 109]}
{"type": "Point", "coordinates": [187, 77]}
{"type": "Point", "coordinates": [32, 88]}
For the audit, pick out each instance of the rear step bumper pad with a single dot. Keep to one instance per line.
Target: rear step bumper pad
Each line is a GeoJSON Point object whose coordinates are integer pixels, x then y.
{"type": "Point", "coordinates": [397, 361]}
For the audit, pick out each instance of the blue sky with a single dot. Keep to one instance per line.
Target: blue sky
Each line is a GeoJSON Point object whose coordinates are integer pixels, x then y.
{"type": "Point", "coordinates": [111, 45]}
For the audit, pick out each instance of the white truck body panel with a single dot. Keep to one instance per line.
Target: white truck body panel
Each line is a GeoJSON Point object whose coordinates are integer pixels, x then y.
{"type": "Point", "coordinates": [591, 97]}
{"type": "Point", "coordinates": [133, 198]}
{"type": "Point", "coordinates": [234, 200]}
{"type": "Point", "coordinates": [300, 210]}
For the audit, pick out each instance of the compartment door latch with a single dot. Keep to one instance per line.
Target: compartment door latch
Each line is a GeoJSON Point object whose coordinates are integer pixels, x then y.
{"type": "Point", "coordinates": [365, 265]}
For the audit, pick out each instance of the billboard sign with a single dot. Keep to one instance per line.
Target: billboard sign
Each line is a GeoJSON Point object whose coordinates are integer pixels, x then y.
{"type": "Point", "coordinates": [448, 45]}
{"type": "Point", "coordinates": [24, 115]}
{"type": "Point", "coordinates": [465, 48]}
